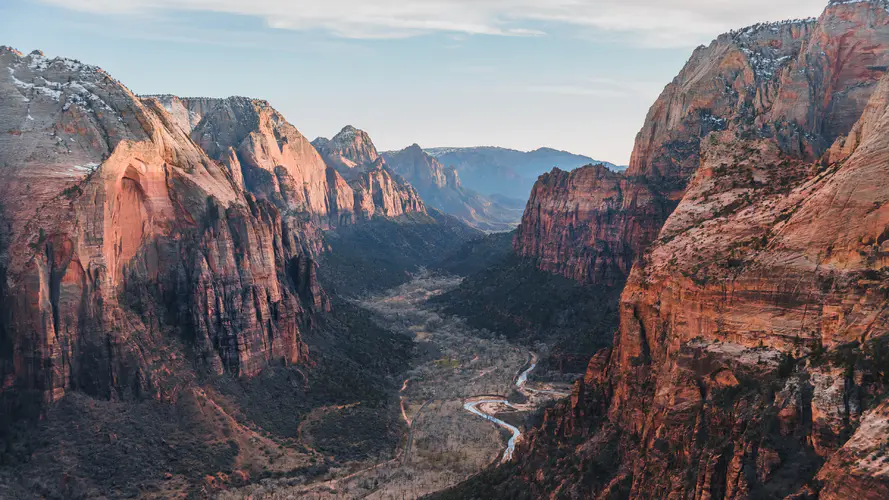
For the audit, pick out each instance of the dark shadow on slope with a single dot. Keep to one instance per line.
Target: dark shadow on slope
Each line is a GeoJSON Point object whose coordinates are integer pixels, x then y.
{"type": "Point", "coordinates": [352, 360]}
{"type": "Point", "coordinates": [515, 299]}
{"type": "Point", "coordinates": [478, 255]}
{"type": "Point", "coordinates": [89, 448]}
{"type": "Point", "coordinates": [382, 253]}
{"type": "Point", "coordinates": [86, 447]}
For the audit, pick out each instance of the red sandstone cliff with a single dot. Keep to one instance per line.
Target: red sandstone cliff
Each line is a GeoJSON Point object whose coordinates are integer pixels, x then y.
{"type": "Point", "coordinates": [802, 84]}
{"type": "Point", "coordinates": [589, 224]}
{"type": "Point", "coordinates": [377, 190]}
{"type": "Point", "coordinates": [127, 250]}
{"type": "Point", "coordinates": [275, 161]}
{"type": "Point", "coordinates": [751, 358]}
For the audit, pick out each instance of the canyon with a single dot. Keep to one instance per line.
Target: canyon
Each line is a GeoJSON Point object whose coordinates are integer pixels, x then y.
{"type": "Point", "coordinates": [161, 288]}
{"type": "Point", "coordinates": [199, 301]}
{"type": "Point", "coordinates": [452, 401]}
{"type": "Point", "coordinates": [750, 357]}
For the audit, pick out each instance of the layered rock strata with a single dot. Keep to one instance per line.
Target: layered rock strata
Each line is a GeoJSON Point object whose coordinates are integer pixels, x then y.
{"type": "Point", "coordinates": [801, 84]}
{"type": "Point", "coordinates": [126, 250]}
{"type": "Point", "coordinates": [751, 357]}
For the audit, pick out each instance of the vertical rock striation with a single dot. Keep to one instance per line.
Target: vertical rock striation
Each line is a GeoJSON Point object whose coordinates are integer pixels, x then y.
{"type": "Point", "coordinates": [126, 251]}
{"type": "Point", "coordinates": [589, 224]}
{"type": "Point", "coordinates": [378, 191]}
{"type": "Point", "coordinates": [802, 84]}
{"type": "Point", "coordinates": [275, 161]}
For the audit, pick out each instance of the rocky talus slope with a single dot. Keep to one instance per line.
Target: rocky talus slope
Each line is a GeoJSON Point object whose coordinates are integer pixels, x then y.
{"type": "Point", "coordinates": [378, 191]}
{"type": "Point", "coordinates": [440, 188]}
{"type": "Point", "coordinates": [752, 355]}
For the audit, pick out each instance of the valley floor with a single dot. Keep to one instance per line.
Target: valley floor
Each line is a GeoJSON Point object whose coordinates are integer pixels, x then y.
{"type": "Point", "coordinates": [453, 403]}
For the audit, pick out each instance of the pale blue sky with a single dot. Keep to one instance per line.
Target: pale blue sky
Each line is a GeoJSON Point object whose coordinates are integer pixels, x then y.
{"type": "Point", "coordinates": [577, 75]}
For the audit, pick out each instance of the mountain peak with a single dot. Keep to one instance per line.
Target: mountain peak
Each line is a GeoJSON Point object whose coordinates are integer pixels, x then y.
{"type": "Point", "coordinates": [6, 48]}
{"type": "Point", "coordinates": [350, 134]}
{"type": "Point", "coordinates": [352, 145]}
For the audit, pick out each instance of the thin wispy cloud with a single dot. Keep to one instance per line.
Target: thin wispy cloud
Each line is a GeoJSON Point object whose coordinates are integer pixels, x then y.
{"type": "Point", "coordinates": [165, 29]}
{"type": "Point", "coordinates": [666, 23]}
{"type": "Point", "coordinates": [597, 87]}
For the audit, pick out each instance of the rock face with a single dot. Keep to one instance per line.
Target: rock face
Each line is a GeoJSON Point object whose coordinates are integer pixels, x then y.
{"type": "Point", "coordinates": [735, 78]}
{"type": "Point", "coordinates": [802, 84]}
{"type": "Point", "coordinates": [127, 250]}
{"type": "Point", "coordinates": [269, 157]}
{"type": "Point", "coordinates": [751, 356]}
{"type": "Point", "coordinates": [440, 188]}
{"type": "Point", "coordinates": [378, 191]}
{"type": "Point", "coordinates": [423, 170]}
{"type": "Point", "coordinates": [351, 148]}
{"type": "Point", "coordinates": [275, 161]}
{"type": "Point", "coordinates": [589, 224]}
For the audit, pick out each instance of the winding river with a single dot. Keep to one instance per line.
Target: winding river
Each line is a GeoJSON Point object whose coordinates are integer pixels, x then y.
{"type": "Point", "coordinates": [516, 433]}
{"type": "Point", "coordinates": [473, 407]}
{"type": "Point", "coordinates": [523, 378]}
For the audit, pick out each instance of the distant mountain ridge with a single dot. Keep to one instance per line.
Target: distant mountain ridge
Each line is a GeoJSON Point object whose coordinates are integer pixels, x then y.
{"type": "Point", "coordinates": [442, 188]}
{"type": "Point", "coordinates": [509, 172]}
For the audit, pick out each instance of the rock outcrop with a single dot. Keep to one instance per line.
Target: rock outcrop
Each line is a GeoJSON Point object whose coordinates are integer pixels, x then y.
{"type": "Point", "coordinates": [378, 191]}
{"type": "Point", "coordinates": [440, 188]}
{"type": "Point", "coordinates": [751, 357]}
{"type": "Point", "coordinates": [589, 224]}
{"type": "Point", "coordinates": [423, 170]}
{"type": "Point", "coordinates": [275, 161]}
{"type": "Point", "coordinates": [769, 257]}
{"type": "Point", "coordinates": [802, 84]}
{"type": "Point", "coordinates": [351, 148]}
{"type": "Point", "coordinates": [127, 253]}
